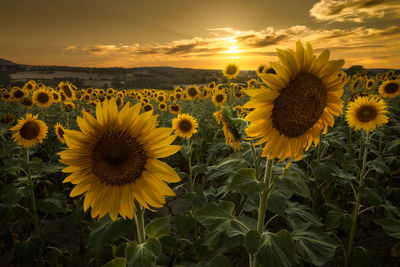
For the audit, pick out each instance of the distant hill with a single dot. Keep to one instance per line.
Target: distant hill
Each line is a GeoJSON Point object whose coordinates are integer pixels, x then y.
{"type": "Point", "coordinates": [6, 62]}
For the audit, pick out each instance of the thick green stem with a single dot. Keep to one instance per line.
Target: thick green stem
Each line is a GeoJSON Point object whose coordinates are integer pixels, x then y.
{"type": "Point", "coordinates": [190, 166]}
{"type": "Point", "coordinates": [356, 211]}
{"type": "Point", "coordinates": [139, 220]}
{"type": "Point", "coordinates": [34, 209]}
{"type": "Point", "coordinates": [255, 159]}
{"type": "Point", "coordinates": [264, 196]}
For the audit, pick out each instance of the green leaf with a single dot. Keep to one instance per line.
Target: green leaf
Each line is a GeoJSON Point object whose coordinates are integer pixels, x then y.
{"type": "Point", "coordinates": [391, 226]}
{"type": "Point", "coordinates": [143, 255]}
{"type": "Point", "coordinates": [276, 203]}
{"type": "Point", "coordinates": [117, 262]}
{"type": "Point", "coordinates": [371, 195]}
{"type": "Point", "coordinates": [245, 182]}
{"type": "Point", "coordinates": [365, 258]}
{"type": "Point", "coordinates": [184, 224]}
{"type": "Point", "coordinates": [36, 164]}
{"type": "Point", "coordinates": [379, 166]}
{"type": "Point", "coordinates": [11, 194]}
{"type": "Point", "coordinates": [219, 261]}
{"type": "Point", "coordinates": [56, 203]}
{"type": "Point", "coordinates": [276, 249]}
{"type": "Point", "coordinates": [334, 217]}
{"type": "Point", "coordinates": [297, 215]}
{"type": "Point", "coordinates": [215, 213]}
{"type": "Point", "coordinates": [105, 231]}
{"type": "Point", "coordinates": [314, 245]}
{"type": "Point", "coordinates": [158, 227]}
{"type": "Point", "coordinates": [288, 185]}
{"type": "Point", "coordinates": [252, 241]}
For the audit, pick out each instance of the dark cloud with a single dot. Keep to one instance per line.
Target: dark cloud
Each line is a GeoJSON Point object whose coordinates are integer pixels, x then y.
{"type": "Point", "coordinates": [268, 40]}
{"type": "Point", "coordinates": [180, 49]}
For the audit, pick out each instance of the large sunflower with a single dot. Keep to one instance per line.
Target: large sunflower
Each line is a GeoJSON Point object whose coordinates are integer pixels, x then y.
{"type": "Point", "coordinates": [304, 95]}
{"type": "Point", "coordinates": [185, 125]}
{"type": "Point", "coordinates": [366, 113]}
{"type": "Point", "coordinates": [29, 131]}
{"type": "Point", "coordinates": [390, 88]}
{"type": "Point", "coordinates": [114, 160]}
{"type": "Point", "coordinates": [231, 71]}
{"type": "Point", "coordinates": [42, 98]}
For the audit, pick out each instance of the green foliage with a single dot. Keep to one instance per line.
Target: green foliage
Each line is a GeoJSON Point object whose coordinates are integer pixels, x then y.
{"type": "Point", "coordinates": [142, 255]}
{"type": "Point", "coordinates": [158, 228]}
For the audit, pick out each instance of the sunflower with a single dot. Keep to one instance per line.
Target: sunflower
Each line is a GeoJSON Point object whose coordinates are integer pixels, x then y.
{"type": "Point", "coordinates": [67, 89]}
{"type": "Point", "coordinates": [300, 103]}
{"type": "Point", "coordinates": [192, 92]}
{"type": "Point", "coordinates": [358, 94]}
{"type": "Point", "coordinates": [366, 113]}
{"type": "Point", "coordinates": [178, 90]}
{"type": "Point", "coordinates": [185, 125]}
{"type": "Point", "coordinates": [160, 98]}
{"type": "Point", "coordinates": [7, 119]}
{"type": "Point", "coordinates": [69, 106]}
{"type": "Point", "coordinates": [30, 85]}
{"type": "Point", "coordinates": [42, 98]}
{"type": "Point", "coordinates": [238, 93]}
{"type": "Point", "coordinates": [59, 129]}
{"type": "Point", "coordinates": [261, 69]}
{"type": "Point", "coordinates": [18, 93]}
{"type": "Point", "coordinates": [230, 137]}
{"type": "Point", "coordinates": [26, 101]}
{"type": "Point", "coordinates": [56, 96]}
{"type": "Point", "coordinates": [252, 83]}
{"type": "Point", "coordinates": [178, 96]}
{"type": "Point", "coordinates": [114, 160]}
{"type": "Point", "coordinates": [147, 107]}
{"type": "Point", "coordinates": [145, 100]}
{"type": "Point", "coordinates": [162, 106]}
{"type": "Point", "coordinates": [29, 131]}
{"type": "Point", "coordinates": [86, 97]}
{"type": "Point", "coordinates": [390, 88]}
{"type": "Point", "coordinates": [119, 101]}
{"type": "Point", "coordinates": [211, 85]}
{"type": "Point", "coordinates": [172, 98]}
{"type": "Point", "coordinates": [110, 91]}
{"type": "Point", "coordinates": [355, 84]}
{"type": "Point", "coordinates": [231, 71]}
{"type": "Point", "coordinates": [219, 98]}
{"type": "Point", "coordinates": [174, 108]}
{"type": "Point", "coordinates": [369, 84]}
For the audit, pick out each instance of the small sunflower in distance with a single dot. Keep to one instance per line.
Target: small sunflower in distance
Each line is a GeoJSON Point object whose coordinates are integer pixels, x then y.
{"type": "Point", "coordinates": [59, 129]}
{"type": "Point", "coordinates": [114, 159]}
{"type": "Point", "coordinates": [185, 125]}
{"type": "Point", "coordinates": [162, 106]}
{"type": "Point", "coordinates": [303, 97]}
{"type": "Point", "coordinates": [174, 108]}
{"type": "Point", "coordinates": [366, 113]}
{"type": "Point", "coordinates": [261, 69]}
{"type": "Point", "coordinates": [390, 88]}
{"type": "Point", "coordinates": [219, 98]}
{"type": "Point", "coordinates": [192, 92]}
{"type": "Point", "coordinates": [29, 131]}
{"type": "Point", "coordinates": [231, 71]}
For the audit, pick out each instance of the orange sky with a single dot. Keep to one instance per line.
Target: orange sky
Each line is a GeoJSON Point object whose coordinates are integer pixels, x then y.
{"type": "Point", "coordinates": [197, 34]}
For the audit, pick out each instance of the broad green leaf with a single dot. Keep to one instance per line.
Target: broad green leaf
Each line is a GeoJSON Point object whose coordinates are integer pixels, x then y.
{"type": "Point", "coordinates": [11, 194]}
{"type": "Point", "coordinates": [371, 195]}
{"type": "Point", "coordinates": [245, 182]}
{"type": "Point", "coordinates": [143, 255]}
{"type": "Point", "coordinates": [276, 249]}
{"type": "Point", "coordinates": [117, 262]}
{"type": "Point", "coordinates": [158, 227]}
{"type": "Point", "coordinates": [297, 215]}
{"type": "Point", "coordinates": [252, 241]}
{"type": "Point", "coordinates": [379, 166]}
{"type": "Point", "coordinates": [215, 213]}
{"type": "Point", "coordinates": [391, 226]}
{"type": "Point", "coordinates": [334, 217]}
{"type": "Point", "coordinates": [56, 203]}
{"type": "Point", "coordinates": [314, 245]}
{"type": "Point", "coordinates": [184, 224]}
{"type": "Point", "coordinates": [276, 203]}
{"type": "Point", "coordinates": [365, 258]}
{"type": "Point", "coordinates": [288, 185]}
{"type": "Point", "coordinates": [219, 261]}
{"type": "Point", "coordinates": [36, 164]}
{"type": "Point", "coordinates": [105, 231]}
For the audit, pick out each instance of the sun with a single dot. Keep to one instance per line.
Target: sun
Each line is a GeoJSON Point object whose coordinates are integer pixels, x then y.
{"type": "Point", "coordinates": [233, 49]}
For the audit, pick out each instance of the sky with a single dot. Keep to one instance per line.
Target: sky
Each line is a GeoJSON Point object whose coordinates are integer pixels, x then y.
{"type": "Point", "coordinates": [205, 34]}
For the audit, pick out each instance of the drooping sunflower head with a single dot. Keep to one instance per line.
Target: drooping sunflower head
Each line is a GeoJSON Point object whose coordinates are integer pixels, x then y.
{"type": "Point", "coordinates": [231, 71]}
{"type": "Point", "coordinates": [26, 101]}
{"type": "Point", "coordinates": [192, 92]}
{"type": "Point", "coordinates": [185, 125]}
{"type": "Point", "coordinates": [219, 98]}
{"type": "Point", "coordinates": [59, 129]}
{"type": "Point", "coordinates": [69, 106]}
{"type": "Point", "coordinates": [366, 113]}
{"type": "Point", "coordinates": [114, 160]}
{"type": "Point", "coordinates": [355, 84]}
{"type": "Point", "coordinates": [390, 88]}
{"type": "Point", "coordinates": [29, 131]}
{"type": "Point", "coordinates": [56, 96]}
{"type": "Point", "coordinates": [68, 89]}
{"type": "Point", "coordinates": [304, 95]}
{"type": "Point", "coordinates": [42, 98]}
{"type": "Point", "coordinates": [174, 108]}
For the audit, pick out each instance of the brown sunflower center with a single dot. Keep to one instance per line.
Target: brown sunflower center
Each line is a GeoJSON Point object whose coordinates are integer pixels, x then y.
{"type": "Point", "coordinates": [231, 69]}
{"type": "Point", "coordinates": [43, 97]}
{"type": "Point", "coordinates": [271, 71]}
{"type": "Point", "coordinates": [185, 126]}
{"type": "Point", "coordinates": [26, 101]}
{"type": "Point", "coordinates": [55, 96]}
{"type": "Point", "coordinates": [29, 130]}
{"type": "Point", "coordinates": [160, 98]}
{"type": "Point", "coordinates": [299, 105]}
{"type": "Point", "coordinates": [67, 91]}
{"type": "Point", "coordinates": [391, 88]}
{"type": "Point", "coordinates": [219, 98]}
{"type": "Point", "coordinates": [261, 69]}
{"type": "Point", "coordinates": [366, 113]}
{"type": "Point", "coordinates": [118, 158]}
{"type": "Point", "coordinates": [192, 91]}
{"type": "Point", "coordinates": [147, 108]}
{"type": "Point", "coordinates": [29, 86]}
{"type": "Point", "coordinates": [175, 108]}
{"type": "Point", "coordinates": [60, 132]}
{"type": "Point", "coordinates": [369, 84]}
{"type": "Point", "coordinates": [18, 94]}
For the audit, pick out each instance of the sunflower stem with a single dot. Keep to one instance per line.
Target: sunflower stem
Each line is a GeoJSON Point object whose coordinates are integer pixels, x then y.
{"type": "Point", "coordinates": [34, 210]}
{"type": "Point", "coordinates": [255, 159]}
{"type": "Point", "coordinates": [189, 144]}
{"type": "Point", "coordinates": [264, 196]}
{"type": "Point", "coordinates": [356, 211]}
{"type": "Point", "coordinates": [139, 220]}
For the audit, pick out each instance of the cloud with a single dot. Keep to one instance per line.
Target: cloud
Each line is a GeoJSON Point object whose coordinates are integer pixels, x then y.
{"type": "Point", "coordinates": [355, 10]}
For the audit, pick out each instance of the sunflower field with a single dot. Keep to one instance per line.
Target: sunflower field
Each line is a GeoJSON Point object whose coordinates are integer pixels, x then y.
{"type": "Point", "coordinates": [298, 167]}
